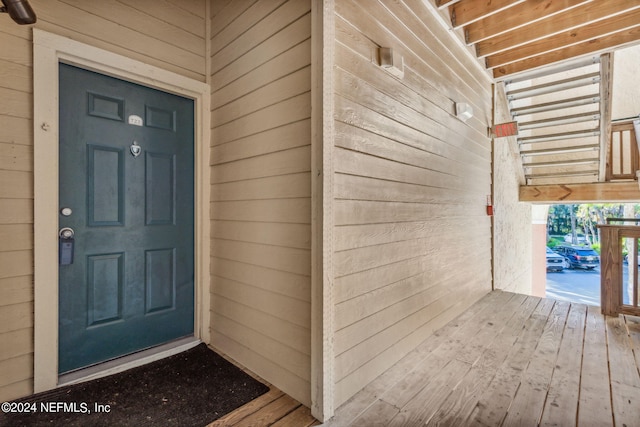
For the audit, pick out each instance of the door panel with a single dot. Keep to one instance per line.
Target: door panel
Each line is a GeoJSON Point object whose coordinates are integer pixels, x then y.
{"type": "Point", "coordinates": [131, 284]}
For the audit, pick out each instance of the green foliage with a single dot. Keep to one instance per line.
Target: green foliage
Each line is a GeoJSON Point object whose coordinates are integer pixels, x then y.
{"type": "Point", "coordinates": [553, 242]}
{"type": "Point", "coordinates": [596, 247]}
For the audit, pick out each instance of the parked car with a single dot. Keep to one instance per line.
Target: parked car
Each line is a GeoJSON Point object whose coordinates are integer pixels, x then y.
{"type": "Point", "coordinates": [581, 239]}
{"type": "Point", "coordinates": [555, 262]}
{"type": "Point", "coordinates": [579, 256]}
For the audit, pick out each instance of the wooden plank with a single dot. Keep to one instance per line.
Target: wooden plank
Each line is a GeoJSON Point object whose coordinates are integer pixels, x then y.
{"type": "Point", "coordinates": [421, 408]}
{"type": "Point", "coordinates": [16, 369]}
{"type": "Point", "coordinates": [234, 20]}
{"type": "Point", "coordinates": [292, 361]}
{"type": "Point", "coordinates": [353, 163]}
{"type": "Point", "coordinates": [279, 90]}
{"type": "Point", "coordinates": [633, 328]}
{"type": "Point", "coordinates": [16, 237]}
{"type": "Point", "coordinates": [590, 47]}
{"type": "Point", "coordinates": [286, 162]}
{"type": "Point", "coordinates": [270, 23]}
{"type": "Point", "coordinates": [496, 399]}
{"type": "Point", "coordinates": [16, 211]}
{"type": "Point", "coordinates": [464, 398]}
{"type": "Point", "coordinates": [285, 259]}
{"type": "Point", "coordinates": [407, 388]}
{"type": "Point", "coordinates": [277, 329]}
{"type": "Point", "coordinates": [468, 11]}
{"type": "Point", "coordinates": [291, 135]}
{"type": "Point", "coordinates": [595, 396]}
{"type": "Point", "coordinates": [17, 343]}
{"type": "Point", "coordinates": [300, 417]}
{"type": "Point", "coordinates": [16, 76]}
{"type": "Point", "coordinates": [434, 316]}
{"type": "Point", "coordinates": [288, 111]}
{"type": "Point", "coordinates": [412, 92]}
{"type": "Point", "coordinates": [279, 282]}
{"type": "Point", "coordinates": [278, 43]}
{"type": "Point", "coordinates": [275, 68]}
{"type": "Point", "coordinates": [516, 17]}
{"type": "Point", "coordinates": [16, 317]}
{"type": "Point", "coordinates": [16, 103]}
{"type": "Point", "coordinates": [582, 16]}
{"type": "Point", "coordinates": [16, 157]}
{"type": "Point", "coordinates": [85, 24]}
{"type": "Point", "coordinates": [140, 19]}
{"type": "Point", "coordinates": [349, 212]}
{"type": "Point", "coordinates": [625, 379]}
{"type": "Point", "coordinates": [528, 403]}
{"type": "Point", "coordinates": [16, 130]}
{"type": "Point", "coordinates": [432, 60]}
{"type": "Point", "coordinates": [253, 298]}
{"type": "Point", "coordinates": [180, 14]}
{"type": "Point", "coordinates": [580, 193]}
{"type": "Point", "coordinates": [244, 411]}
{"type": "Point", "coordinates": [16, 263]}
{"type": "Point", "coordinates": [275, 187]}
{"type": "Point", "coordinates": [285, 235]}
{"type": "Point", "coordinates": [16, 390]}
{"type": "Point", "coordinates": [352, 114]}
{"type": "Point", "coordinates": [355, 327]}
{"type": "Point", "coordinates": [16, 290]}
{"type": "Point", "coordinates": [276, 210]}
{"type": "Point", "coordinates": [15, 49]}
{"type": "Point", "coordinates": [577, 35]}
{"type": "Point", "coordinates": [430, 123]}
{"type": "Point", "coordinates": [270, 413]}
{"type": "Point", "coordinates": [561, 405]}
{"type": "Point", "coordinates": [265, 368]}
{"type": "Point", "coordinates": [369, 395]}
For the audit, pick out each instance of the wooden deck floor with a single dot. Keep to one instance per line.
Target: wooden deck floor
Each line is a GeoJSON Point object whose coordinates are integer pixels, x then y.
{"type": "Point", "coordinates": [511, 360]}
{"type": "Point", "coordinates": [273, 408]}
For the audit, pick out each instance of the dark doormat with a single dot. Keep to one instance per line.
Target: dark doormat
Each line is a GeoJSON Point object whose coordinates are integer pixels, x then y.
{"type": "Point", "coordinates": [192, 388]}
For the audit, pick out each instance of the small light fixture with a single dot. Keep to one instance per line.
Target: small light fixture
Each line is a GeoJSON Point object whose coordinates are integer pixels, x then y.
{"type": "Point", "coordinates": [392, 61]}
{"type": "Point", "coordinates": [19, 10]}
{"type": "Point", "coordinates": [463, 111]}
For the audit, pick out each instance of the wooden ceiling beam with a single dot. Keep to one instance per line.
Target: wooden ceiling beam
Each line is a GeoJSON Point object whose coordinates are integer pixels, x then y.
{"type": "Point", "coordinates": [579, 193]}
{"type": "Point", "coordinates": [597, 45]}
{"type": "Point", "coordinates": [566, 39]}
{"type": "Point", "coordinates": [468, 11]}
{"type": "Point", "coordinates": [441, 4]}
{"type": "Point", "coordinates": [584, 15]}
{"type": "Point", "coordinates": [516, 17]}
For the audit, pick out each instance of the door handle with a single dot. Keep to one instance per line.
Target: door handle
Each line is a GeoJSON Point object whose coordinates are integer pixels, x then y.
{"type": "Point", "coordinates": [66, 233]}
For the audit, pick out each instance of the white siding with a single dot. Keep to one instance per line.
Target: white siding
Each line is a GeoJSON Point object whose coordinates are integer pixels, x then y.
{"type": "Point", "coordinates": [412, 238]}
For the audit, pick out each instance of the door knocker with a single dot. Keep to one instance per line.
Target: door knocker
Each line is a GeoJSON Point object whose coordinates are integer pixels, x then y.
{"type": "Point", "coordinates": [135, 149]}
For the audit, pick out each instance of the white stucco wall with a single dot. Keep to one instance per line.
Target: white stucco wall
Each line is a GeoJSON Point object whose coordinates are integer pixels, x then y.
{"type": "Point", "coordinates": [512, 245]}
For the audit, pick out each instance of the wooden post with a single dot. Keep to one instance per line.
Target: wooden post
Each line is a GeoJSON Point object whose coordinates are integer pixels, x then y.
{"type": "Point", "coordinates": [610, 270]}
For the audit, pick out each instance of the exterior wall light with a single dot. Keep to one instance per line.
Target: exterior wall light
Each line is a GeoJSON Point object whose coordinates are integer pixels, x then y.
{"type": "Point", "coordinates": [464, 111]}
{"type": "Point", "coordinates": [19, 10]}
{"type": "Point", "coordinates": [392, 61]}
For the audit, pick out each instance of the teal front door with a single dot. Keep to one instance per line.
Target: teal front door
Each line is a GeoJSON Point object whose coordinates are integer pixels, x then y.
{"type": "Point", "coordinates": [127, 192]}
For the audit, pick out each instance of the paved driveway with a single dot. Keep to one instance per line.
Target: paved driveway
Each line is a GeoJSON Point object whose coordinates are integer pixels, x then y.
{"type": "Point", "coordinates": [582, 286]}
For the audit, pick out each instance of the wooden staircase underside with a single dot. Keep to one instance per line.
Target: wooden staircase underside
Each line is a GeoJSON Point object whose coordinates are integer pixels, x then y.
{"type": "Point", "coordinates": [563, 115]}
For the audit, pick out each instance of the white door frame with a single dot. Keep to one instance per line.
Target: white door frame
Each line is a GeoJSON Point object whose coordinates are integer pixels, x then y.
{"type": "Point", "coordinates": [48, 51]}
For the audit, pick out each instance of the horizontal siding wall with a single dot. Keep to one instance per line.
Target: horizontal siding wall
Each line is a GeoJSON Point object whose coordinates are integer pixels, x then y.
{"type": "Point", "coordinates": [261, 188]}
{"type": "Point", "coordinates": [168, 34]}
{"type": "Point", "coordinates": [412, 238]}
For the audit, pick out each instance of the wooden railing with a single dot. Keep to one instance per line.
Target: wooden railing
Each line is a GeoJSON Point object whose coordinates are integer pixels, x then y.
{"type": "Point", "coordinates": [611, 269]}
{"type": "Point", "coordinates": [622, 162]}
